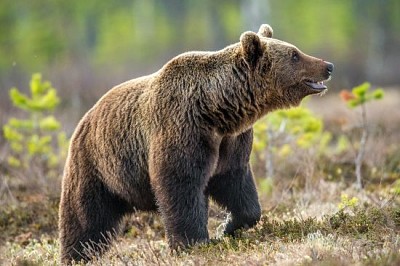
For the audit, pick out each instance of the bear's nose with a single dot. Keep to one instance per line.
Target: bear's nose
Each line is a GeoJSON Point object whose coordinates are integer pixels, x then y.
{"type": "Point", "coordinates": [329, 67]}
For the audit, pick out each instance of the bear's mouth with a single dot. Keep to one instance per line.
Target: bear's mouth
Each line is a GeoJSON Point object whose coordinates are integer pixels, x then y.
{"type": "Point", "coordinates": [316, 85]}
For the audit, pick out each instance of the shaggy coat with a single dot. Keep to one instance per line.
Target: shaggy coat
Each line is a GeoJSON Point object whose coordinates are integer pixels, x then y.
{"type": "Point", "coordinates": [169, 141]}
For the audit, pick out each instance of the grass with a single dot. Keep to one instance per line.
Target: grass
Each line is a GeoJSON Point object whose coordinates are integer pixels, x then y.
{"type": "Point", "coordinates": [305, 219]}
{"type": "Point", "coordinates": [366, 234]}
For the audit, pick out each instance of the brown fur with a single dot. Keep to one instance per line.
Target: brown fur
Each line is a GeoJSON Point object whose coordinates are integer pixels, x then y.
{"type": "Point", "coordinates": [170, 140]}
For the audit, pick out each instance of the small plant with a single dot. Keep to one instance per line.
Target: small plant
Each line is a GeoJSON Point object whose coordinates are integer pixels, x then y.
{"type": "Point", "coordinates": [359, 96]}
{"type": "Point", "coordinates": [395, 188]}
{"type": "Point", "coordinates": [32, 140]}
{"type": "Point", "coordinates": [279, 133]}
{"type": "Point", "coordinates": [346, 202]}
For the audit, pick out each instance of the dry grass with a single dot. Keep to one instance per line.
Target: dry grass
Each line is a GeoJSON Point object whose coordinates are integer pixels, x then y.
{"type": "Point", "coordinates": [303, 231]}
{"type": "Point", "coordinates": [301, 225]}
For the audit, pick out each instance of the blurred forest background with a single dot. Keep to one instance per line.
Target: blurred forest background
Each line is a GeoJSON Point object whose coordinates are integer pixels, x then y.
{"type": "Point", "coordinates": [86, 47]}
{"type": "Point", "coordinates": [312, 212]}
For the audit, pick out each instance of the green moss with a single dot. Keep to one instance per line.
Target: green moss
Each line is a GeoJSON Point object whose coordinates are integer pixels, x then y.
{"type": "Point", "coordinates": [395, 215]}
{"type": "Point", "coordinates": [367, 222]}
{"type": "Point", "coordinates": [36, 217]}
{"type": "Point", "coordinates": [371, 226]}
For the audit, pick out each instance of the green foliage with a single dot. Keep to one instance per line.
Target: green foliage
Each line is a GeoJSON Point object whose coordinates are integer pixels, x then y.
{"type": "Point", "coordinates": [360, 95]}
{"type": "Point", "coordinates": [371, 222]}
{"type": "Point", "coordinates": [43, 96]}
{"type": "Point", "coordinates": [342, 144]}
{"type": "Point", "coordinates": [35, 37]}
{"type": "Point", "coordinates": [265, 186]}
{"type": "Point", "coordinates": [29, 233]}
{"type": "Point", "coordinates": [347, 203]}
{"type": "Point", "coordinates": [39, 213]}
{"type": "Point", "coordinates": [300, 126]}
{"type": "Point", "coordinates": [32, 139]}
{"type": "Point", "coordinates": [283, 132]}
{"type": "Point", "coordinates": [396, 188]}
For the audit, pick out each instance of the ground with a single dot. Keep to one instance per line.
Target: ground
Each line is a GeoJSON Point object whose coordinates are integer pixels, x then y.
{"type": "Point", "coordinates": [315, 225]}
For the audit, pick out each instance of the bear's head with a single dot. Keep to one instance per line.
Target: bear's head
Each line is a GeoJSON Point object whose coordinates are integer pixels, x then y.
{"type": "Point", "coordinates": [282, 74]}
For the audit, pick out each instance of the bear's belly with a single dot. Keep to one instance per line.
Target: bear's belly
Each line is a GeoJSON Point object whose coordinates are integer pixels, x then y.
{"type": "Point", "coordinates": [137, 190]}
{"type": "Point", "coordinates": [131, 182]}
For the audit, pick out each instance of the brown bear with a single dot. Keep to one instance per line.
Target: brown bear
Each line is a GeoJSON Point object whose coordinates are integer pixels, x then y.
{"type": "Point", "coordinates": [169, 141]}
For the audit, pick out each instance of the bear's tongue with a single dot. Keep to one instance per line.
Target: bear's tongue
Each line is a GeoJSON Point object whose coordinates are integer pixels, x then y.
{"type": "Point", "coordinates": [316, 85]}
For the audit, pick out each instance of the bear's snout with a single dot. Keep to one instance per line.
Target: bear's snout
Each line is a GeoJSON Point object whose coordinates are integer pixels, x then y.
{"type": "Point", "coordinates": [329, 68]}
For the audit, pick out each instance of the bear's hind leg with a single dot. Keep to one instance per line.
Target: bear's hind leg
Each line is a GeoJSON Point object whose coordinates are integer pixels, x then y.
{"type": "Point", "coordinates": [89, 218]}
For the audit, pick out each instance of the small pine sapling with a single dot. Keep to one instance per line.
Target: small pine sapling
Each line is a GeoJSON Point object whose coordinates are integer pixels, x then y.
{"type": "Point", "coordinates": [32, 140]}
{"type": "Point", "coordinates": [359, 96]}
{"type": "Point", "coordinates": [283, 131]}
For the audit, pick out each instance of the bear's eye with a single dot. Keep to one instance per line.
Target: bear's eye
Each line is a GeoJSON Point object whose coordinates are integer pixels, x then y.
{"type": "Point", "coordinates": [295, 56]}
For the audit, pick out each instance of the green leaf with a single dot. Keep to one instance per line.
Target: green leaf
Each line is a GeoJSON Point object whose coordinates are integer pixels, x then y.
{"type": "Point", "coordinates": [296, 129]}
{"type": "Point", "coordinates": [53, 160]}
{"type": "Point", "coordinates": [313, 125]}
{"type": "Point", "coordinates": [285, 151]}
{"type": "Point", "coordinates": [361, 90]}
{"type": "Point", "coordinates": [35, 84]}
{"type": "Point", "coordinates": [45, 145]}
{"type": "Point", "coordinates": [49, 124]}
{"type": "Point", "coordinates": [378, 94]}
{"type": "Point", "coordinates": [19, 100]}
{"type": "Point", "coordinates": [297, 113]}
{"type": "Point", "coordinates": [17, 147]}
{"type": "Point", "coordinates": [39, 145]}
{"type": "Point", "coordinates": [11, 134]}
{"type": "Point", "coordinates": [50, 100]}
{"type": "Point", "coordinates": [354, 103]}
{"type": "Point", "coordinates": [14, 162]}
{"type": "Point", "coordinates": [306, 140]}
{"type": "Point", "coordinates": [324, 140]}
{"type": "Point", "coordinates": [46, 102]}
{"type": "Point", "coordinates": [26, 125]}
{"type": "Point", "coordinates": [342, 144]}
{"type": "Point", "coordinates": [32, 144]}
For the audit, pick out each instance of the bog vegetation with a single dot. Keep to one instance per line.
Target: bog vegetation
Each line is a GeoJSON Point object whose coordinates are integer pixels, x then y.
{"type": "Point", "coordinates": [37, 143]}
{"type": "Point", "coordinates": [328, 172]}
{"type": "Point", "coordinates": [314, 209]}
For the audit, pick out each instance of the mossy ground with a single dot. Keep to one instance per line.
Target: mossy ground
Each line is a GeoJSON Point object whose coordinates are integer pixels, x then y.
{"type": "Point", "coordinates": [312, 231]}
{"type": "Point", "coordinates": [305, 219]}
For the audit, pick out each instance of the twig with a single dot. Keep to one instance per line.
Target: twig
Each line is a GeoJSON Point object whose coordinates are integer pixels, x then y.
{"type": "Point", "coordinates": [361, 151]}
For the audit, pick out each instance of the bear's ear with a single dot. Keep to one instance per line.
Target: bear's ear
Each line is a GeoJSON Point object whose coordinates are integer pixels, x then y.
{"type": "Point", "coordinates": [265, 31]}
{"type": "Point", "coordinates": [251, 48]}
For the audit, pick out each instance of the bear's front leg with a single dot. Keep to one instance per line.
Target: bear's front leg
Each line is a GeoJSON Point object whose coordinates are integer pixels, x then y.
{"type": "Point", "coordinates": [233, 187]}
{"type": "Point", "coordinates": [235, 190]}
{"type": "Point", "coordinates": [178, 177]}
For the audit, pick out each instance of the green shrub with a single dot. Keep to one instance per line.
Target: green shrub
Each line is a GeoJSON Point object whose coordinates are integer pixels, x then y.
{"type": "Point", "coordinates": [359, 96]}
{"type": "Point", "coordinates": [37, 139]}
{"type": "Point", "coordinates": [282, 133]}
